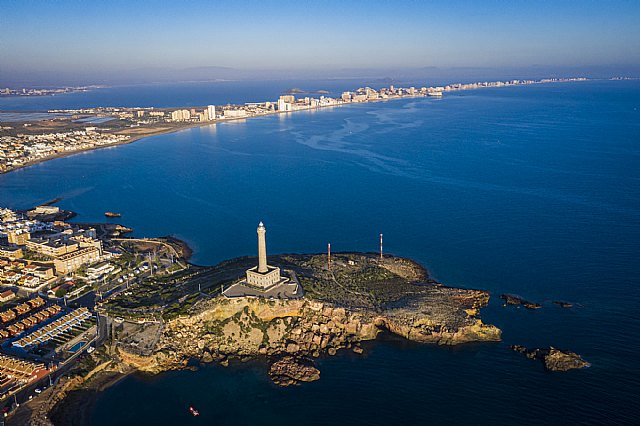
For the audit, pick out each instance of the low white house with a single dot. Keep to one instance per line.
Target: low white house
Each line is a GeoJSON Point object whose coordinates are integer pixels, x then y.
{"type": "Point", "coordinates": [96, 271]}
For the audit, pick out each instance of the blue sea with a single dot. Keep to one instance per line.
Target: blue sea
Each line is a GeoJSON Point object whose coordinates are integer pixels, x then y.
{"type": "Point", "coordinates": [531, 190]}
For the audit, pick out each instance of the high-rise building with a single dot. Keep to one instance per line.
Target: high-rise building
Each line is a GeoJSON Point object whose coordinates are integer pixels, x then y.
{"type": "Point", "coordinates": [288, 98]}
{"type": "Point", "coordinates": [181, 115]}
{"type": "Point", "coordinates": [283, 105]}
{"type": "Point", "coordinates": [211, 112]}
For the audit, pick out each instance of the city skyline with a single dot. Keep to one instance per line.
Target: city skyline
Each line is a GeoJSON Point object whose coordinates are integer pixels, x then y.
{"type": "Point", "coordinates": [133, 42]}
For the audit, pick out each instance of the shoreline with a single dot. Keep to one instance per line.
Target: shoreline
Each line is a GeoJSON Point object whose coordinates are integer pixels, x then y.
{"type": "Point", "coordinates": [132, 139]}
{"type": "Point", "coordinates": [91, 396]}
{"type": "Point", "coordinates": [289, 363]}
{"type": "Point", "coordinates": [75, 407]}
{"type": "Point", "coordinates": [178, 128]}
{"type": "Point", "coordinates": [164, 131]}
{"type": "Point", "coordinates": [76, 396]}
{"type": "Point", "coordinates": [78, 401]}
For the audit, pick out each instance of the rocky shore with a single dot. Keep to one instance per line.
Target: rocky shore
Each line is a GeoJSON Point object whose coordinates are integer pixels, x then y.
{"type": "Point", "coordinates": [68, 402]}
{"type": "Point", "coordinates": [358, 298]}
{"type": "Point", "coordinates": [354, 302]}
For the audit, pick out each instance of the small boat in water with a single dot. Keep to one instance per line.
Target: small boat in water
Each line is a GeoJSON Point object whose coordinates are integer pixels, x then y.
{"type": "Point", "coordinates": [112, 214]}
{"type": "Point", "coordinates": [193, 411]}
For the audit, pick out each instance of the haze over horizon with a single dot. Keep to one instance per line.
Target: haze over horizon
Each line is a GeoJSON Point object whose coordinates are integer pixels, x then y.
{"type": "Point", "coordinates": [72, 42]}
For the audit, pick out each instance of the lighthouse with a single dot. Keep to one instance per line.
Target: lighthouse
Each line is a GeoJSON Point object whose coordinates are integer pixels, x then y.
{"type": "Point", "coordinates": [262, 249]}
{"type": "Point", "coordinates": [264, 280]}
{"type": "Point", "coordinates": [263, 276]}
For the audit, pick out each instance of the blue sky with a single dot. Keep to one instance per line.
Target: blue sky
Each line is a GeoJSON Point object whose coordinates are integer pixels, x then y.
{"type": "Point", "coordinates": [87, 36]}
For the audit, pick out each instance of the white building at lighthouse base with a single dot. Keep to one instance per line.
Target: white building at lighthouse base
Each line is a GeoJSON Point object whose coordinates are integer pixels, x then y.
{"type": "Point", "coordinates": [264, 280]}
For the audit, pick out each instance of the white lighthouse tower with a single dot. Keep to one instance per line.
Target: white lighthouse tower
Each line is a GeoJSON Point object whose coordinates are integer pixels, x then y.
{"type": "Point", "coordinates": [265, 280]}
{"type": "Point", "coordinates": [263, 276]}
{"type": "Point", "coordinates": [262, 249]}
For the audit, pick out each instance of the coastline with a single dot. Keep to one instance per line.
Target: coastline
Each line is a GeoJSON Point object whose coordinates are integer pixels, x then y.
{"type": "Point", "coordinates": [162, 131]}
{"type": "Point", "coordinates": [75, 407]}
{"type": "Point", "coordinates": [565, 319]}
{"type": "Point", "coordinates": [95, 148]}
{"type": "Point", "coordinates": [294, 321]}
{"type": "Point", "coordinates": [68, 402]}
{"type": "Point", "coordinates": [222, 120]}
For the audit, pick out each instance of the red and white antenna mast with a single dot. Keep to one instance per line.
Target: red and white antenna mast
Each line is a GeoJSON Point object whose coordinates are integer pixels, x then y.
{"type": "Point", "coordinates": [329, 255]}
{"type": "Point", "coordinates": [380, 246]}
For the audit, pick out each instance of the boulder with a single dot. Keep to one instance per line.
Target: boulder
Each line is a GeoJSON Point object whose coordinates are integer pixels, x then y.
{"type": "Point", "coordinates": [293, 348]}
{"type": "Point", "coordinates": [339, 313]}
{"type": "Point", "coordinates": [352, 327]}
{"type": "Point", "coordinates": [206, 357]}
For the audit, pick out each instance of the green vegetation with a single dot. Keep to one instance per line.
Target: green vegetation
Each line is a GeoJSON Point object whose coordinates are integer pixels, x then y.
{"type": "Point", "coordinates": [179, 309]}
{"type": "Point", "coordinates": [356, 281]}
{"type": "Point", "coordinates": [35, 256]}
{"type": "Point", "coordinates": [88, 363]}
{"type": "Point", "coordinates": [171, 295]}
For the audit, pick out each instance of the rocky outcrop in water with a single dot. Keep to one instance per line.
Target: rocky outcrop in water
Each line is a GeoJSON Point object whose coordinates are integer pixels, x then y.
{"type": "Point", "coordinates": [511, 299]}
{"type": "Point", "coordinates": [553, 359]}
{"type": "Point", "coordinates": [291, 370]}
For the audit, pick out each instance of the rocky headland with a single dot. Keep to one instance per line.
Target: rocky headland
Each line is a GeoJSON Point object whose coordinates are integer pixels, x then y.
{"type": "Point", "coordinates": [355, 300]}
